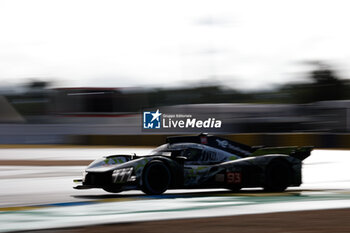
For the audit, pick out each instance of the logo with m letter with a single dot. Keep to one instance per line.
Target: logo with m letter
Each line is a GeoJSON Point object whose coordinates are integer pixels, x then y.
{"type": "Point", "coordinates": [151, 120]}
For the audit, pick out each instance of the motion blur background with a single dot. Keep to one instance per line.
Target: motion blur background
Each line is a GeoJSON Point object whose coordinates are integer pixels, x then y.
{"type": "Point", "coordinates": [82, 72]}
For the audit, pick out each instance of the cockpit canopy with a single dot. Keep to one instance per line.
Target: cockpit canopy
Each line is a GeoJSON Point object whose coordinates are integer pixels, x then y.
{"type": "Point", "coordinates": [194, 153]}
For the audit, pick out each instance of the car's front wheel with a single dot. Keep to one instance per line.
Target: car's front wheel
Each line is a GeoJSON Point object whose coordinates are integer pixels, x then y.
{"type": "Point", "coordinates": [156, 178]}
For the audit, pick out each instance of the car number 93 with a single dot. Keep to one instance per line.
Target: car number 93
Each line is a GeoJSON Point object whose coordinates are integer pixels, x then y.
{"type": "Point", "coordinates": [233, 177]}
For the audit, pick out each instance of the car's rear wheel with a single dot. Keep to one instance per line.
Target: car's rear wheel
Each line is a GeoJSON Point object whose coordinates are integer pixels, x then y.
{"type": "Point", "coordinates": [278, 176]}
{"type": "Point", "coordinates": [156, 178]}
{"type": "Point", "coordinates": [235, 188]}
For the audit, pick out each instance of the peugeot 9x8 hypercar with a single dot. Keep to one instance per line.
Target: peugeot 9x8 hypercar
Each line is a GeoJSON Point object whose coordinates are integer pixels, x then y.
{"type": "Point", "coordinates": [202, 161]}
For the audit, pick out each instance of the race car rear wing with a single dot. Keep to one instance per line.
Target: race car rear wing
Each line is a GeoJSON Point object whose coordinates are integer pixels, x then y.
{"type": "Point", "coordinates": [216, 142]}
{"type": "Point", "coordinates": [302, 152]}
{"type": "Point", "coordinates": [297, 152]}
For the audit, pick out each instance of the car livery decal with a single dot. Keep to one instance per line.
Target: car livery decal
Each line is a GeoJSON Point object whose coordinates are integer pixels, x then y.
{"type": "Point", "coordinates": [197, 174]}
{"type": "Point", "coordinates": [139, 165]}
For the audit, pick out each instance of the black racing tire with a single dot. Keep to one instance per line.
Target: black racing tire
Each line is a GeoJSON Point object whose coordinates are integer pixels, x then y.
{"type": "Point", "coordinates": [278, 176]}
{"type": "Point", "coordinates": [235, 188]}
{"type": "Point", "coordinates": [156, 178]}
{"type": "Point", "coordinates": [112, 189]}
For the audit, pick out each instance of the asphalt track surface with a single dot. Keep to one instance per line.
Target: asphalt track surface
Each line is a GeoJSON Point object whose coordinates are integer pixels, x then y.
{"type": "Point", "coordinates": [36, 196]}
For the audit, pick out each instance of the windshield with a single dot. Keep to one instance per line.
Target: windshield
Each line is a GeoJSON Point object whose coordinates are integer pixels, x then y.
{"type": "Point", "coordinates": [184, 149]}
{"type": "Point", "coordinates": [162, 150]}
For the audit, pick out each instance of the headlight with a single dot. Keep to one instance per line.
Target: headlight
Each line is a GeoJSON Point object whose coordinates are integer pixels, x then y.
{"type": "Point", "coordinates": [84, 175]}
{"type": "Point", "coordinates": [123, 175]}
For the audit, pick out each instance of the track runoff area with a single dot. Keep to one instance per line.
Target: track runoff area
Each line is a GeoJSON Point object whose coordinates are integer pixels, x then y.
{"type": "Point", "coordinates": [36, 194]}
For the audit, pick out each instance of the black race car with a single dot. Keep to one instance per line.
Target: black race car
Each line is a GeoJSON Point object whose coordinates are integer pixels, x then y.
{"type": "Point", "coordinates": [201, 161]}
